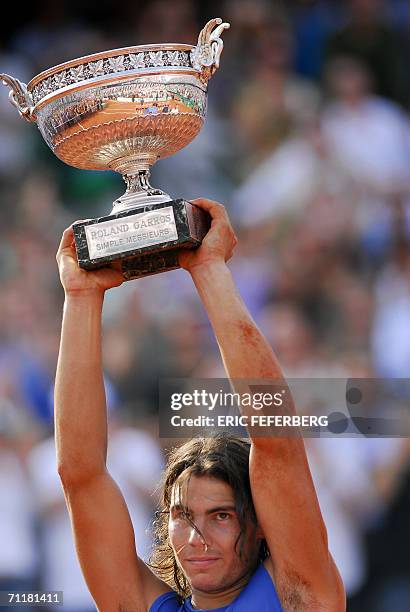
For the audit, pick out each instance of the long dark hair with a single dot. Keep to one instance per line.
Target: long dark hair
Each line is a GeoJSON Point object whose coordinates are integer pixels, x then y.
{"type": "Point", "coordinates": [225, 457]}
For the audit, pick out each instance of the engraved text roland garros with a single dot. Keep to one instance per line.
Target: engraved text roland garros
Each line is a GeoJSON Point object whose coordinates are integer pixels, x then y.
{"type": "Point", "coordinates": [132, 232]}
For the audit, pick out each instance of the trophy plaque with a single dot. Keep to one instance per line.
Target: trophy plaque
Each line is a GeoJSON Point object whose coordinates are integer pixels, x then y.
{"type": "Point", "coordinates": [122, 110]}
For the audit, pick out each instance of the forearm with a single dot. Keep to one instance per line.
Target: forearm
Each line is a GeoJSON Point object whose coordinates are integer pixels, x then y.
{"type": "Point", "coordinates": [80, 406]}
{"type": "Point", "coordinates": [248, 358]}
{"type": "Point", "coordinates": [245, 351]}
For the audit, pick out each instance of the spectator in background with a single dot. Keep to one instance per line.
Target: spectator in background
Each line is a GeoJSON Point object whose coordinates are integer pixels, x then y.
{"type": "Point", "coordinates": [391, 327]}
{"type": "Point", "coordinates": [135, 459]}
{"type": "Point", "coordinates": [162, 21]}
{"type": "Point", "coordinates": [18, 544]}
{"type": "Point", "coordinates": [388, 586]}
{"type": "Point", "coordinates": [313, 22]}
{"type": "Point", "coordinates": [15, 155]}
{"type": "Point", "coordinates": [369, 39]}
{"type": "Point", "coordinates": [297, 173]}
{"type": "Point", "coordinates": [55, 35]}
{"type": "Point", "coordinates": [369, 136]}
{"type": "Point", "coordinates": [272, 101]}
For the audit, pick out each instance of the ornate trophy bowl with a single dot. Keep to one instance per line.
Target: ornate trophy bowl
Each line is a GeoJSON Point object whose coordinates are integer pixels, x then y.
{"type": "Point", "coordinates": [123, 110]}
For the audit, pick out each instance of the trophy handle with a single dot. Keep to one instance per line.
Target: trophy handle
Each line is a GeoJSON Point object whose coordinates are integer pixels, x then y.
{"type": "Point", "coordinates": [205, 56]}
{"type": "Point", "coordinates": [19, 96]}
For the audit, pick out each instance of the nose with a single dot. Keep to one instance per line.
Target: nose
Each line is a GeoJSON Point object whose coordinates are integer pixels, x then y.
{"type": "Point", "coordinates": [197, 536]}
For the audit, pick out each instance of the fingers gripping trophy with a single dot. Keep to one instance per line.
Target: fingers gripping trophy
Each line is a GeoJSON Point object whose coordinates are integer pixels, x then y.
{"type": "Point", "coordinates": [123, 110]}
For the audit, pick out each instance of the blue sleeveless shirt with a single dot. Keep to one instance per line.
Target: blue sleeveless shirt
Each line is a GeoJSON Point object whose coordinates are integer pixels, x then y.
{"type": "Point", "coordinates": [259, 594]}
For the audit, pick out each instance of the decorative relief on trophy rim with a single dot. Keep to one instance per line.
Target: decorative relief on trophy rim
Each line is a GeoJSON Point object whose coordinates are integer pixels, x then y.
{"type": "Point", "coordinates": [117, 64]}
{"type": "Point", "coordinates": [160, 60]}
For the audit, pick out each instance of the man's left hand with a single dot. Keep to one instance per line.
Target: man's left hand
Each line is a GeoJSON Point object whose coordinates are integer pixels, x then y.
{"type": "Point", "coordinates": [219, 242]}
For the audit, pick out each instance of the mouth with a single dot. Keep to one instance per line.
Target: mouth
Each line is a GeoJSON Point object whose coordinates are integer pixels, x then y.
{"type": "Point", "coordinates": [201, 562]}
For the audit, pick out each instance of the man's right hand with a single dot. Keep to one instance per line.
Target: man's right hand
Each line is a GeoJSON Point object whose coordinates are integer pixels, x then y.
{"type": "Point", "coordinates": [81, 282]}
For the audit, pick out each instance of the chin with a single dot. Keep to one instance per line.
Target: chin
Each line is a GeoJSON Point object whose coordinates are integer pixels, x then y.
{"type": "Point", "coordinates": [202, 580]}
{"type": "Point", "coordinates": [205, 584]}
{"type": "Point", "coordinates": [212, 582]}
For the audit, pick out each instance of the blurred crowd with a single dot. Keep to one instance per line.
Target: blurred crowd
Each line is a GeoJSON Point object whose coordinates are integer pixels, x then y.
{"type": "Point", "coordinates": [307, 143]}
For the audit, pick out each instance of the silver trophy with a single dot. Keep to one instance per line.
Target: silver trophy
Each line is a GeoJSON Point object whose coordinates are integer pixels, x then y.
{"type": "Point", "coordinates": [123, 110]}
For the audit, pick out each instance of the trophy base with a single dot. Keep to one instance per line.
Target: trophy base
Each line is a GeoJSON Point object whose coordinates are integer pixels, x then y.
{"type": "Point", "coordinates": [141, 241]}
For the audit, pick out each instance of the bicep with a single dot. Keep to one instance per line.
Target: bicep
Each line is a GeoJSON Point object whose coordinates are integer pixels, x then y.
{"type": "Point", "coordinates": [105, 543]}
{"type": "Point", "coordinates": [288, 512]}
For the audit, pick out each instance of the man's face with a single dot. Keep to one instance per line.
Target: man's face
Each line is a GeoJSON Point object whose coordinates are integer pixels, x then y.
{"type": "Point", "coordinates": [209, 555]}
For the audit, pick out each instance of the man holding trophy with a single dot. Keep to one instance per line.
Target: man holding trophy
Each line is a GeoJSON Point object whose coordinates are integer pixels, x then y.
{"type": "Point", "coordinates": [277, 558]}
{"type": "Point", "coordinates": [240, 525]}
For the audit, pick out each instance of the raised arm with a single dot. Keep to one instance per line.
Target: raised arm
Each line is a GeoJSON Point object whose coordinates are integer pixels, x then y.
{"type": "Point", "coordinates": [283, 492]}
{"type": "Point", "coordinates": [102, 528]}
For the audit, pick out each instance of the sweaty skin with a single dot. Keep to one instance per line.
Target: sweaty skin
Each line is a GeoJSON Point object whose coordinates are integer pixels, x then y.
{"type": "Point", "coordinates": [284, 497]}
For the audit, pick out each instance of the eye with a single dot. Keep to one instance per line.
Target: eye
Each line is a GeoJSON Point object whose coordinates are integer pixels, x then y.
{"type": "Point", "coordinates": [181, 515]}
{"type": "Point", "coordinates": [223, 516]}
